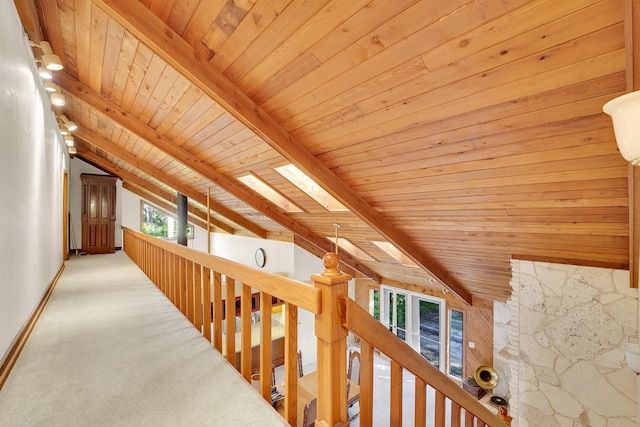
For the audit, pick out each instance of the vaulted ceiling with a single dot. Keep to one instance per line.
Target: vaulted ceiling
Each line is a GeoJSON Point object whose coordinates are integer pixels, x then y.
{"type": "Point", "coordinates": [462, 132]}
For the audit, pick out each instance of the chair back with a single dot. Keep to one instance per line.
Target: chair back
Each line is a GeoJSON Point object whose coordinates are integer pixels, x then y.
{"type": "Point", "coordinates": [310, 413]}
{"type": "Point", "coordinates": [353, 370]}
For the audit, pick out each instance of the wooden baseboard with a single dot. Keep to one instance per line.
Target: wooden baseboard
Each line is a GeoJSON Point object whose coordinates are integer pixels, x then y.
{"type": "Point", "coordinates": [11, 356]}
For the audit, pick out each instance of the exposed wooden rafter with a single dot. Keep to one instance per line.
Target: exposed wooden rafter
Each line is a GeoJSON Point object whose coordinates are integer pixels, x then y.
{"type": "Point", "coordinates": [118, 152]}
{"type": "Point", "coordinates": [235, 188]}
{"type": "Point", "coordinates": [161, 196]}
{"type": "Point", "coordinates": [154, 33]}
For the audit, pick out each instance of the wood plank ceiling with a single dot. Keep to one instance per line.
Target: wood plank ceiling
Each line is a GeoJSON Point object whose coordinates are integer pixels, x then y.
{"type": "Point", "coordinates": [464, 132]}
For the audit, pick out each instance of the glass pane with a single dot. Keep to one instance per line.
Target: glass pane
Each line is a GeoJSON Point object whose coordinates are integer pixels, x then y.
{"type": "Point", "coordinates": [154, 222]}
{"type": "Point", "coordinates": [104, 208]}
{"type": "Point", "coordinates": [93, 200]}
{"type": "Point", "coordinates": [376, 305]}
{"type": "Point", "coordinates": [430, 331]}
{"type": "Point", "coordinates": [401, 316]}
{"type": "Point", "coordinates": [455, 343]}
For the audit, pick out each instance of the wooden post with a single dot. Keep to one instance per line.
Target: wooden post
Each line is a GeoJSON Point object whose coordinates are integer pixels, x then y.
{"type": "Point", "coordinates": [332, 345]}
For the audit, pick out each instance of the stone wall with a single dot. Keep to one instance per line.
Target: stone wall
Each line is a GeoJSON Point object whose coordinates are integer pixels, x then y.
{"type": "Point", "coordinates": [560, 351]}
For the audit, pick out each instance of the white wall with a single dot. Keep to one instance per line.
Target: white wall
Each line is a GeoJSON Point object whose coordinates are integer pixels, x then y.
{"type": "Point", "coordinates": [33, 160]}
{"type": "Point", "coordinates": [77, 168]}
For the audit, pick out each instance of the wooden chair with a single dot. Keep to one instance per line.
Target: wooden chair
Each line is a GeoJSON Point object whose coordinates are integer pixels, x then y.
{"type": "Point", "coordinates": [310, 413]}
{"type": "Point", "coordinates": [353, 375]}
{"type": "Point", "coordinates": [300, 371]}
{"type": "Point", "coordinates": [353, 370]}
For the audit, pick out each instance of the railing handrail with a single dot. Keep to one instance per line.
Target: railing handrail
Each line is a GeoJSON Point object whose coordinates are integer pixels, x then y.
{"type": "Point", "coordinates": [298, 293]}
{"type": "Point", "coordinates": [360, 322]}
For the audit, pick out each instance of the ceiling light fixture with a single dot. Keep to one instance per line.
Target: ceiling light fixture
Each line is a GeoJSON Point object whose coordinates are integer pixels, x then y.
{"type": "Point", "coordinates": [68, 139]}
{"type": "Point", "coordinates": [69, 124]}
{"type": "Point", "coordinates": [50, 60]}
{"type": "Point", "coordinates": [50, 86]}
{"type": "Point", "coordinates": [58, 99]}
{"type": "Point", "coordinates": [624, 111]}
{"type": "Point", "coordinates": [44, 73]}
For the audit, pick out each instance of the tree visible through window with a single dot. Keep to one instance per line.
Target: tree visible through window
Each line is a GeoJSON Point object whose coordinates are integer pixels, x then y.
{"type": "Point", "coordinates": [161, 224]}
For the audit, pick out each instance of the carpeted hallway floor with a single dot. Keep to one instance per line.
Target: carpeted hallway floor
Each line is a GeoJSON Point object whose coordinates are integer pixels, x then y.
{"type": "Point", "coordinates": [110, 350]}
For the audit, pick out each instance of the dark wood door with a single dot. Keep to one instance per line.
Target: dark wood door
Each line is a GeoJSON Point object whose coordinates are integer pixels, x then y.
{"type": "Point", "coordinates": [98, 213]}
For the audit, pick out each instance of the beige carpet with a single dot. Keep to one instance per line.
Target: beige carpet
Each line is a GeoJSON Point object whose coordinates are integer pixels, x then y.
{"type": "Point", "coordinates": [111, 350]}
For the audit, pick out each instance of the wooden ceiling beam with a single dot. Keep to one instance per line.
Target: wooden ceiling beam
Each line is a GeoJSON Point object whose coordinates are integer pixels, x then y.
{"type": "Point", "coordinates": [167, 44]}
{"type": "Point", "coordinates": [85, 94]}
{"type": "Point", "coordinates": [119, 116]}
{"type": "Point", "coordinates": [101, 143]}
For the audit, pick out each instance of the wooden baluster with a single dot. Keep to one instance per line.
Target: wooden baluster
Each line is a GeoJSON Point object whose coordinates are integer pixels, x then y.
{"type": "Point", "coordinates": [197, 282]}
{"type": "Point", "coordinates": [468, 418]}
{"type": "Point", "coordinates": [395, 397]}
{"type": "Point", "coordinates": [189, 288]}
{"type": "Point", "coordinates": [217, 311]}
{"type": "Point", "coordinates": [265, 346]}
{"type": "Point", "coordinates": [291, 364]}
{"type": "Point", "coordinates": [183, 285]}
{"type": "Point", "coordinates": [440, 409]}
{"type": "Point", "coordinates": [230, 320]}
{"type": "Point", "coordinates": [245, 317]}
{"type": "Point", "coordinates": [332, 344]}
{"type": "Point", "coordinates": [420, 403]}
{"type": "Point", "coordinates": [455, 414]}
{"type": "Point", "coordinates": [206, 303]}
{"type": "Point", "coordinates": [366, 384]}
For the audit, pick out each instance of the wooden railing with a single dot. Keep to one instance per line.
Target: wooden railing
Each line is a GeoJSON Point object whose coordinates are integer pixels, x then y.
{"type": "Point", "coordinates": [193, 280]}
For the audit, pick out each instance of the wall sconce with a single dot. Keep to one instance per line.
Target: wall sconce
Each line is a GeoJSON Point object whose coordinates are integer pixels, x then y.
{"type": "Point", "coordinates": [50, 60]}
{"type": "Point", "coordinates": [625, 114]}
{"type": "Point", "coordinates": [68, 139]}
{"type": "Point", "coordinates": [69, 124]}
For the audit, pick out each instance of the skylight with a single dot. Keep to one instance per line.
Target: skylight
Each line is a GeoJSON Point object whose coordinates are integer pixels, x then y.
{"type": "Point", "coordinates": [396, 253]}
{"type": "Point", "coordinates": [269, 193]}
{"type": "Point", "coordinates": [313, 190]}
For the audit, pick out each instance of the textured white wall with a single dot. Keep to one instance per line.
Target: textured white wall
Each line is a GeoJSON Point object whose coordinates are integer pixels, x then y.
{"type": "Point", "coordinates": [33, 158]}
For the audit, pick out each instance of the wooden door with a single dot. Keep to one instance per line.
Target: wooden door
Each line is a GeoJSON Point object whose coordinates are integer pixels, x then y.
{"type": "Point", "coordinates": [98, 213]}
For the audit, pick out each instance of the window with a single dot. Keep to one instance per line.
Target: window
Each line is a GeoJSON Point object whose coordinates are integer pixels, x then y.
{"type": "Point", "coordinates": [455, 343]}
{"type": "Point", "coordinates": [313, 190]}
{"type": "Point", "coordinates": [269, 193]}
{"type": "Point", "coordinates": [421, 321]}
{"type": "Point", "coordinates": [158, 223]}
{"type": "Point", "coordinates": [374, 305]}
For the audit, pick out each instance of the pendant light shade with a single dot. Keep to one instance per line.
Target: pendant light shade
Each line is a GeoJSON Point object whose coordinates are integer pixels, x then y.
{"type": "Point", "coordinates": [625, 114]}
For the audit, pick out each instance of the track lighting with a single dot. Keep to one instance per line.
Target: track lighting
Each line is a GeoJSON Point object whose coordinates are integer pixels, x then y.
{"type": "Point", "coordinates": [69, 124]}
{"type": "Point", "coordinates": [50, 86]}
{"type": "Point", "coordinates": [50, 60]}
{"type": "Point", "coordinates": [44, 73]}
{"type": "Point", "coordinates": [57, 99]}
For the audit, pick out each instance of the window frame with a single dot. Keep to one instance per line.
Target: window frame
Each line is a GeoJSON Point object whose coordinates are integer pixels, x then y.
{"type": "Point", "coordinates": [413, 335]}
{"type": "Point", "coordinates": [190, 227]}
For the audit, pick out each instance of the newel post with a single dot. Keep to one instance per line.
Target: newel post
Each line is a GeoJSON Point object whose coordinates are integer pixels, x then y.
{"type": "Point", "coordinates": [332, 345]}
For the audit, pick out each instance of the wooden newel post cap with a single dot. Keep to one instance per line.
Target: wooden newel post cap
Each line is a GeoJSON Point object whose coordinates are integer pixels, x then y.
{"type": "Point", "coordinates": [331, 262]}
